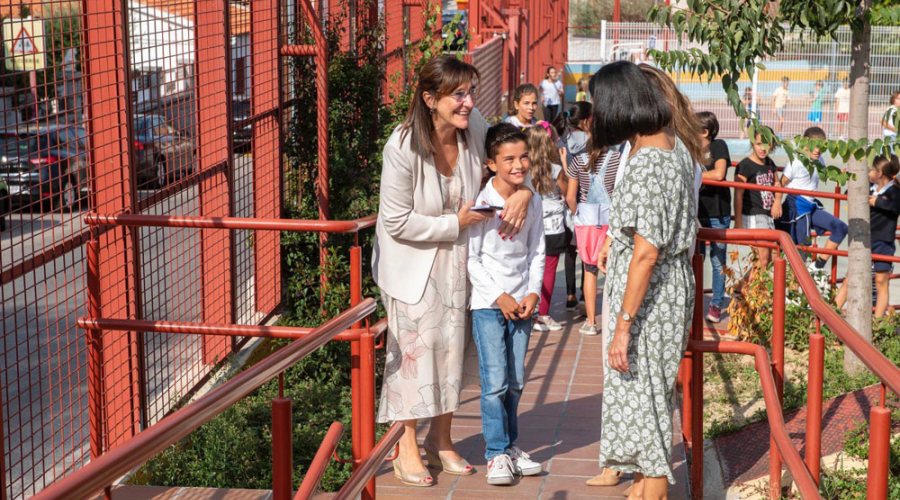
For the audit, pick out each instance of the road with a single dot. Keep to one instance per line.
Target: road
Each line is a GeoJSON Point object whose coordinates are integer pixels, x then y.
{"type": "Point", "coordinates": [44, 377]}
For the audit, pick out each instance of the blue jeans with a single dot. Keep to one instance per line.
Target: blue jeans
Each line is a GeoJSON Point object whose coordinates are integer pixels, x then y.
{"type": "Point", "coordinates": [501, 363]}
{"type": "Point", "coordinates": [717, 256]}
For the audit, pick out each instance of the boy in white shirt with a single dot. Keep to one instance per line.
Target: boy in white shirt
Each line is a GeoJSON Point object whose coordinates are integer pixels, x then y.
{"type": "Point", "coordinates": [506, 278]}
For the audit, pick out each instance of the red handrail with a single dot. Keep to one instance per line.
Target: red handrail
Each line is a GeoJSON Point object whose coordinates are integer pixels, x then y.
{"type": "Point", "coordinates": [369, 466]}
{"type": "Point", "coordinates": [261, 331]}
{"type": "Point", "coordinates": [117, 462]}
{"type": "Point", "coordinates": [141, 220]}
{"type": "Point", "coordinates": [886, 371]}
{"type": "Point", "coordinates": [805, 473]}
{"type": "Point", "coordinates": [316, 470]}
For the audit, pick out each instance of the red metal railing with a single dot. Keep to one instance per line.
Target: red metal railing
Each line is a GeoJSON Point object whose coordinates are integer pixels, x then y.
{"type": "Point", "coordinates": [805, 473]}
{"type": "Point", "coordinates": [107, 466]}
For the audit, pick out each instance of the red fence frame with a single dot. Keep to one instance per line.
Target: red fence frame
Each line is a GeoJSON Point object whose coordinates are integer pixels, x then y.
{"type": "Point", "coordinates": [107, 466]}
{"type": "Point", "coordinates": [806, 474]}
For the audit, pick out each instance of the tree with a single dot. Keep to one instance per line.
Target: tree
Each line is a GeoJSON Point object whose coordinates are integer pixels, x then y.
{"type": "Point", "coordinates": [741, 33]}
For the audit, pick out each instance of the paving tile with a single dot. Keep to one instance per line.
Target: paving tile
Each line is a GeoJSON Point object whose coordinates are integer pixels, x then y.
{"type": "Point", "coordinates": [132, 492]}
{"type": "Point", "coordinates": [585, 468]}
{"type": "Point", "coordinates": [575, 486]}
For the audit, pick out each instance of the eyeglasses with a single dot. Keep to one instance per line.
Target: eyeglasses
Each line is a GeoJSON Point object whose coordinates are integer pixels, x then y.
{"type": "Point", "coordinates": [461, 95]}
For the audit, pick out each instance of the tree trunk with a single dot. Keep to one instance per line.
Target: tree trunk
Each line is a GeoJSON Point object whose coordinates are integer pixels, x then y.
{"type": "Point", "coordinates": [859, 271]}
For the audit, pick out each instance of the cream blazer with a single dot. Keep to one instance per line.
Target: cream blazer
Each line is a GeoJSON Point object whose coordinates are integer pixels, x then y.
{"type": "Point", "coordinates": [410, 222]}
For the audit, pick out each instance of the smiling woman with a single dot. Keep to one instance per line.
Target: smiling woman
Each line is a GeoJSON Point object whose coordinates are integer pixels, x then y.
{"type": "Point", "coordinates": [431, 174]}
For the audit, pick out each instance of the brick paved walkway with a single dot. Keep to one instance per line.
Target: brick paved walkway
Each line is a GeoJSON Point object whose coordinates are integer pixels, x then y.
{"type": "Point", "coordinates": [558, 425]}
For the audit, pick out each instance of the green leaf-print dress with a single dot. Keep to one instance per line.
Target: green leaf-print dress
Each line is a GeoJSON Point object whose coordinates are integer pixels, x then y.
{"type": "Point", "coordinates": [656, 200]}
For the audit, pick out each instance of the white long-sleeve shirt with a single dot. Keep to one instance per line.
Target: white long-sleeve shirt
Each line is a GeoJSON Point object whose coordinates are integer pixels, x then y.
{"type": "Point", "coordinates": [514, 266]}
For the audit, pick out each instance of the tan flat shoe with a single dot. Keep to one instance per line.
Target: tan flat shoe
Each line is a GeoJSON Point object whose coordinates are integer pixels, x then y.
{"type": "Point", "coordinates": [455, 467]}
{"type": "Point", "coordinates": [606, 478]}
{"type": "Point", "coordinates": [420, 479]}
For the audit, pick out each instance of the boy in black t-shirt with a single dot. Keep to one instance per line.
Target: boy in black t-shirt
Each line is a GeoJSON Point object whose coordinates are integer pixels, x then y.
{"type": "Point", "coordinates": [714, 210]}
{"type": "Point", "coordinates": [756, 209]}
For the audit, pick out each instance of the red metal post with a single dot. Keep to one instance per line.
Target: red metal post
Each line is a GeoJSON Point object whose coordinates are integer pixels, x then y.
{"type": "Point", "coordinates": [367, 401]}
{"type": "Point", "coordinates": [106, 105]}
{"type": "Point", "coordinates": [356, 355]}
{"type": "Point", "coordinates": [282, 445]}
{"type": "Point", "coordinates": [265, 97]}
{"type": "Point", "coordinates": [778, 298]}
{"type": "Point", "coordinates": [95, 355]}
{"type": "Point", "coordinates": [321, 59]}
{"type": "Point", "coordinates": [814, 402]}
{"type": "Point", "coordinates": [837, 214]}
{"type": "Point", "coordinates": [879, 453]}
{"type": "Point", "coordinates": [213, 153]}
{"type": "Point", "coordinates": [696, 385]}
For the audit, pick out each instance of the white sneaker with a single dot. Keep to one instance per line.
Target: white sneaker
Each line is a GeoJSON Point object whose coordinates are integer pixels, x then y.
{"type": "Point", "coordinates": [500, 470]}
{"type": "Point", "coordinates": [522, 462]}
{"type": "Point", "coordinates": [540, 327]}
{"type": "Point", "coordinates": [587, 329]}
{"type": "Point", "coordinates": [548, 322]}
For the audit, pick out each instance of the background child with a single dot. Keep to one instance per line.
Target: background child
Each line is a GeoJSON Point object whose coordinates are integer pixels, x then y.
{"type": "Point", "coordinates": [889, 117]}
{"type": "Point", "coordinates": [714, 207]}
{"type": "Point", "coordinates": [756, 209]}
{"type": "Point", "coordinates": [780, 101]}
{"type": "Point", "coordinates": [842, 106]}
{"type": "Point", "coordinates": [572, 126]}
{"type": "Point", "coordinates": [884, 210]}
{"type": "Point", "coordinates": [523, 106]}
{"type": "Point", "coordinates": [506, 280]}
{"type": "Point", "coordinates": [550, 183]}
{"type": "Point", "coordinates": [806, 212]}
{"type": "Point", "coordinates": [815, 104]}
{"type": "Point", "coordinates": [589, 196]}
{"type": "Point", "coordinates": [582, 94]}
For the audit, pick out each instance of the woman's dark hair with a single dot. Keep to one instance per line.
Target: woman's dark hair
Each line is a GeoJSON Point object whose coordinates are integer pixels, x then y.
{"type": "Point", "coordinates": [709, 123]}
{"type": "Point", "coordinates": [518, 93]}
{"type": "Point", "coordinates": [888, 168]}
{"type": "Point", "coordinates": [502, 133]}
{"type": "Point", "coordinates": [625, 104]}
{"type": "Point", "coordinates": [439, 77]}
{"type": "Point", "coordinates": [570, 119]}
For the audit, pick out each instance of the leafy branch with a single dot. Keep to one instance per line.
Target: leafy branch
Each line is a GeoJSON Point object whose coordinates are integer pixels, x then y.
{"type": "Point", "coordinates": [736, 35]}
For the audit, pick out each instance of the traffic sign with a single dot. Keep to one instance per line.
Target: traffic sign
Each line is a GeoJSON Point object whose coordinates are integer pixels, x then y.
{"type": "Point", "coordinates": [23, 41]}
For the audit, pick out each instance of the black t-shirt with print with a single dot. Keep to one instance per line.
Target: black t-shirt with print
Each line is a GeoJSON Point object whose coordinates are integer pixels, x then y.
{"type": "Point", "coordinates": [757, 202]}
{"type": "Point", "coordinates": [715, 201]}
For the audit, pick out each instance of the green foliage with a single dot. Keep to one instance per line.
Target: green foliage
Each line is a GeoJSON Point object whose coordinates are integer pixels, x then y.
{"type": "Point", "coordinates": [741, 33]}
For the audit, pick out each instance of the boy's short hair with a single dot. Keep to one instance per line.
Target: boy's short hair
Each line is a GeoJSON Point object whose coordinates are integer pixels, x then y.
{"type": "Point", "coordinates": [502, 133]}
{"type": "Point", "coordinates": [815, 133]}
{"type": "Point", "coordinates": [785, 79]}
{"type": "Point", "coordinates": [820, 83]}
{"type": "Point", "coordinates": [709, 123]}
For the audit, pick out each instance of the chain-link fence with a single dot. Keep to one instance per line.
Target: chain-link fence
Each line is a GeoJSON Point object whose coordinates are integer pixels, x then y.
{"type": "Point", "coordinates": [811, 73]}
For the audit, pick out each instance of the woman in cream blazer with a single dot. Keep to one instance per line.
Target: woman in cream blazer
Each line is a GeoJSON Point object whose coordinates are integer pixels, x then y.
{"type": "Point", "coordinates": [431, 173]}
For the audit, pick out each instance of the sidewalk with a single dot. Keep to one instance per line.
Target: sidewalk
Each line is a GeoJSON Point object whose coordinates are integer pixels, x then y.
{"type": "Point", "coordinates": [559, 425]}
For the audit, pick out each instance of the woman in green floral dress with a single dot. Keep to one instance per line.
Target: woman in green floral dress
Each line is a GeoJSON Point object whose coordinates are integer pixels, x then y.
{"type": "Point", "coordinates": [653, 221]}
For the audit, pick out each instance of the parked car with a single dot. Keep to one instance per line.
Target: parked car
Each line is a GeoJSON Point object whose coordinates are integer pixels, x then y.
{"type": "Point", "coordinates": [242, 130]}
{"type": "Point", "coordinates": [45, 165]}
{"type": "Point", "coordinates": [161, 153]}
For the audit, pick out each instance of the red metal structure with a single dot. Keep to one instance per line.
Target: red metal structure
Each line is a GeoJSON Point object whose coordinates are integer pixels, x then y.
{"type": "Point", "coordinates": [152, 116]}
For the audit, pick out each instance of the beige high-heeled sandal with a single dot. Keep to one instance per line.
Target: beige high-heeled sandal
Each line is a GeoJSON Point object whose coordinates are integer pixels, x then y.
{"type": "Point", "coordinates": [455, 467]}
{"type": "Point", "coordinates": [420, 479]}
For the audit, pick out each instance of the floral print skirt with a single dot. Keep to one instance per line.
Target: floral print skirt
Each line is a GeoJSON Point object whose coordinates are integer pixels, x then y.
{"type": "Point", "coordinates": [426, 342]}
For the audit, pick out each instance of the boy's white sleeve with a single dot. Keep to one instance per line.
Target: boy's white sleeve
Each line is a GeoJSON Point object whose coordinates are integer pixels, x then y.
{"type": "Point", "coordinates": [482, 282]}
{"type": "Point", "coordinates": [536, 250]}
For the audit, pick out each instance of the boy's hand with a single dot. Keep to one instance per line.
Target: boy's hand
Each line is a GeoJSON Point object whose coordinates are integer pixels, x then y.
{"type": "Point", "coordinates": [872, 200]}
{"type": "Point", "coordinates": [738, 223]}
{"type": "Point", "coordinates": [527, 305]}
{"type": "Point", "coordinates": [509, 307]}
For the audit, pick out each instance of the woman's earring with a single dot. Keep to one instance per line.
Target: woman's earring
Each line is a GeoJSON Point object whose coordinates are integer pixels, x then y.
{"type": "Point", "coordinates": [431, 110]}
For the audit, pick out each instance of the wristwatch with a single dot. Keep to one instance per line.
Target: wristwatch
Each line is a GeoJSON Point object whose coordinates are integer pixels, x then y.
{"type": "Point", "coordinates": [625, 316]}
